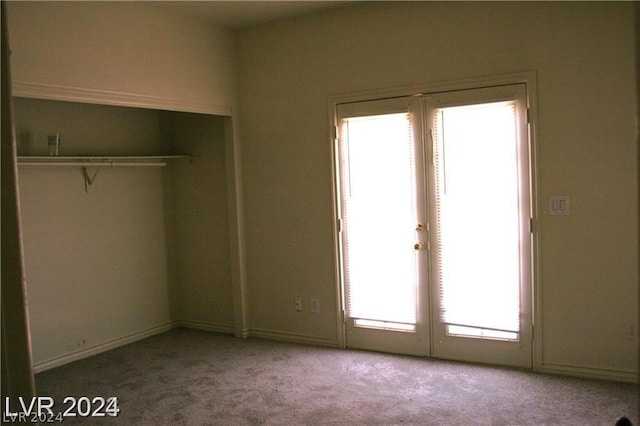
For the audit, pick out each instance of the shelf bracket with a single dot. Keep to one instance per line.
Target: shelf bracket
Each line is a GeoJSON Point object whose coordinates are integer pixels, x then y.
{"type": "Point", "coordinates": [88, 181]}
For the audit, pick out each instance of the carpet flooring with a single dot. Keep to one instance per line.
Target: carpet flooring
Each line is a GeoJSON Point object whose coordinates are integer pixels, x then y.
{"type": "Point", "coordinates": [190, 377]}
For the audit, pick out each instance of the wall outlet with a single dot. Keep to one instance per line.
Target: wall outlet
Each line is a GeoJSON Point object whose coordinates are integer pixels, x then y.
{"type": "Point", "coordinates": [298, 304]}
{"type": "Point", "coordinates": [631, 331]}
{"type": "Point", "coordinates": [315, 305]}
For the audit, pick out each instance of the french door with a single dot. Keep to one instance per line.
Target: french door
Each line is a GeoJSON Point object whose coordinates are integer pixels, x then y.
{"type": "Point", "coordinates": [435, 212]}
{"type": "Point", "coordinates": [383, 213]}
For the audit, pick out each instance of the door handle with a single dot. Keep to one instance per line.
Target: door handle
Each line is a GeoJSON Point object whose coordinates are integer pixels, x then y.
{"type": "Point", "coordinates": [418, 246]}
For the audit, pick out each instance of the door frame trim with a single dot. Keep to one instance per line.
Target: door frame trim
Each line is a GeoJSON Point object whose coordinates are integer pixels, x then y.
{"type": "Point", "coordinates": [529, 78]}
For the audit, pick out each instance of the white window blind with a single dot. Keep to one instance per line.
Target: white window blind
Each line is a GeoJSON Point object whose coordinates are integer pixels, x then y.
{"type": "Point", "coordinates": [478, 238]}
{"type": "Point", "coordinates": [379, 218]}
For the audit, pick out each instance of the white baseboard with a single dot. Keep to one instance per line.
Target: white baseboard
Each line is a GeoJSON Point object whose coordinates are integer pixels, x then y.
{"type": "Point", "coordinates": [591, 373]}
{"type": "Point", "coordinates": [293, 338]}
{"type": "Point", "coordinates": [102, 347]}
{"type": "Point", "coordinates": [243, 334]}
{"type": "Point", "coordinates": [206, 326]}
{"type": "Point", "coordinates": [546, 368]}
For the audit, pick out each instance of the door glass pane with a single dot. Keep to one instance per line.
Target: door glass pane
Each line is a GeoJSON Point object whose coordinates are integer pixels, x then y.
{"type": "Point", "coordinates": [379, 218]}
{"type": "Point", "coordinates": [477, 207]}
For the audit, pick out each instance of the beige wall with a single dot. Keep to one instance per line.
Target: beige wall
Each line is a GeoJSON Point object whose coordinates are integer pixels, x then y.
{"type": "Point", "coordinates": [148, 248]}
{"type": "Point", "coordinates": [124, 47]}
{"type": "Point", "coordinates": [144, 249]}
{"type": "Point", "coordinates": [584, 58]}
{"type": "Point", "coordinates": [96, 263]}
{"type": "Point", "coordinates": [199, 222]}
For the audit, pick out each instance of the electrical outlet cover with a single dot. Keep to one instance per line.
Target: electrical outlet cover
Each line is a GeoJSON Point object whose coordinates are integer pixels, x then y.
{"type": "Point", "coordinates": [631, 331]}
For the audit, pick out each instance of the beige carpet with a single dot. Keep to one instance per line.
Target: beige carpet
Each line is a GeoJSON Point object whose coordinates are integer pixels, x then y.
{"type": "Point", "coordinates": [188, 377]}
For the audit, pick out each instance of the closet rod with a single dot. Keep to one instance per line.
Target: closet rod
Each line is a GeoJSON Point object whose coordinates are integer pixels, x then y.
{"type": "Point", "coordinates": [90, 164]}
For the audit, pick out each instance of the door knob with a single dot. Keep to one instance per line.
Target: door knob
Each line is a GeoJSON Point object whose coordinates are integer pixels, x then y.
{"type": "Point", "coordinates": [418, 246]}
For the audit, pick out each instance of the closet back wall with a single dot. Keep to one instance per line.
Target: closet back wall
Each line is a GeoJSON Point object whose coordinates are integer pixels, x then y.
{"type": "Point", "coordinates": [96, 262]}
{"type": "Point", "coordinates": [198, 222]}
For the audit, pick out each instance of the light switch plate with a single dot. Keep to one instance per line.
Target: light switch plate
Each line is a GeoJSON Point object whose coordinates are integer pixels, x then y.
{"type": "Point", "coordinates": [559, 205]}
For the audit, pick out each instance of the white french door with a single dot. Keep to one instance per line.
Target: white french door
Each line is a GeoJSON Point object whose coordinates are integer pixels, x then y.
{"type": "Point", "coordinates": [382, 208]}
{"type": "Point", "coordinates": [481, 239]}
{"type": "Point", "coordinates": [435, 216]}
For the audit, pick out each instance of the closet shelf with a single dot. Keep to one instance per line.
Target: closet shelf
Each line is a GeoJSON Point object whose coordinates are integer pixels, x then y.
{"type": "Point", "coordinates": [98, 161]}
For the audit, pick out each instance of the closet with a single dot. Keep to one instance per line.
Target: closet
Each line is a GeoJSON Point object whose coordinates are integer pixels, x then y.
{"type": "Point", "coordinates": [126, 230]}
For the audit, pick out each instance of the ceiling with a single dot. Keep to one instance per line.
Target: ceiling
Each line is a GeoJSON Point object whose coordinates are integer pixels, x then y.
{"type": "Point", "coordinates": [242, 14]}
